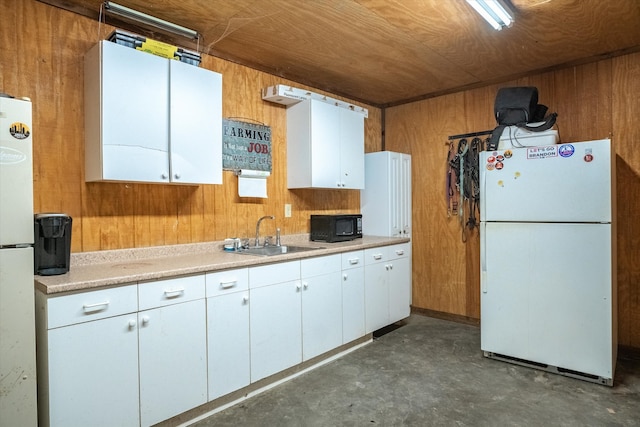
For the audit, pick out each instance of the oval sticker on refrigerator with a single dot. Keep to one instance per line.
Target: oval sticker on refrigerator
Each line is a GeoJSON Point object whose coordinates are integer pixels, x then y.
{"type": "Point", "coordinates": [566, 150]}
{"type": "Point", "coordinates": [19, 130]}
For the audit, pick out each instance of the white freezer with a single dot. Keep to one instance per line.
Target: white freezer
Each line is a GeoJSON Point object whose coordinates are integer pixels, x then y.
{"type": "Point", "coordinates": [548, 295]}
{"type": "Point", "coordinates": [16, 172]}
{"type": "Point", "coordinates": [555, 183]}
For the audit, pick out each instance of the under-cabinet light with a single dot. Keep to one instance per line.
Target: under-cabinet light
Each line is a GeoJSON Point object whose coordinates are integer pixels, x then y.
{"type": "Point", "coordinates": [495, 12]}
{"type": "Point", "coordinates": [152, 21]}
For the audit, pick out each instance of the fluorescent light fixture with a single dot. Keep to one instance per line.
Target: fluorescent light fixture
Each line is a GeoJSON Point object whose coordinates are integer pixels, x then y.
{"type": "Point", "coordinates": [143, 18]}
{"type": "Point", "coordinates": [495, 12]}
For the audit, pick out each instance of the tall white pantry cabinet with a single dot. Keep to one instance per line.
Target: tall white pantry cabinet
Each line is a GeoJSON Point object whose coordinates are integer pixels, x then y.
{"type": "Point", "coordinates": [150, 119]}
{"type": "Point", "coordinates": [385, 204]}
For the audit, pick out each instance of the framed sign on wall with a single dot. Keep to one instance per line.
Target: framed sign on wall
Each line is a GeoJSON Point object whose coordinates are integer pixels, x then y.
{"type": "Point", "coordinates": [246, 146]}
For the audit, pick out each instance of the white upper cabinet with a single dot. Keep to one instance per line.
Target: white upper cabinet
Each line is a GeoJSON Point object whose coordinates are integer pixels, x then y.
{"type": "Point", "coordinates": [151, 119]}
{"type": "Point", "coordinates": [325, 146]}
{"type": "Point", "coordinates": [195, 135]}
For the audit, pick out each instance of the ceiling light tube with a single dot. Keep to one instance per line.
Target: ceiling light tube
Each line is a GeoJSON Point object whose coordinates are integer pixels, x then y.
{"type": "Point", "coordinates": [152, 21]}
{"type": "Point", "coordinates": [496, 12]}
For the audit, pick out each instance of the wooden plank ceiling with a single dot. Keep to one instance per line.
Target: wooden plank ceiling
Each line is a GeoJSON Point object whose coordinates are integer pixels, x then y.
{"type": "Point", "coordinates": [389, 52]}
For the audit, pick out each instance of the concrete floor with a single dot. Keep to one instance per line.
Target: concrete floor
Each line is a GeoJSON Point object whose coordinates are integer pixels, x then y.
{"type": "Point", "coordinates": [431, 372]}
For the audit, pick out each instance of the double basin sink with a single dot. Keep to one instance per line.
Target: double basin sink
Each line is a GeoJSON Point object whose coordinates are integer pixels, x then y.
{"type": "Point", "coordinates": [274, 250]}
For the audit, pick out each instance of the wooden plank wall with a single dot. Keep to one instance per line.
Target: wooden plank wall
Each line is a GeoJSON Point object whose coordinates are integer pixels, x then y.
{"type": "Point", "coordinates": [593, 101]}
{"type": "Point", "coordinates": [42, 58]}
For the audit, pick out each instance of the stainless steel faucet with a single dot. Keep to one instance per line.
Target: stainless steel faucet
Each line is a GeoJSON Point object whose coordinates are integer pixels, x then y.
{"type": "Point", "coordinates": [258, 228]}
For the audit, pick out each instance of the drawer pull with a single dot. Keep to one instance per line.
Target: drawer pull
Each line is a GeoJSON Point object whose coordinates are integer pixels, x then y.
{"type": "Point", "coordinates": [173, 293]}
{"type": "Point", "coordinates": [227, 285]}
{"type": "Point", "coordinates": [400, 252]}
{"type": "Point", "coordinates": [88, 308]}
{"type": "Point", "coordinates": [377, 256]}
{"type": "Point", "coordinates": [354, 261]}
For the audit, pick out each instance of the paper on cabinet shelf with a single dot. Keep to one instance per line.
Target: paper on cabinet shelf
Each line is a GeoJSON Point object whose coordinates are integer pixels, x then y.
{"type": "Point", "coordinates": [252, 183]}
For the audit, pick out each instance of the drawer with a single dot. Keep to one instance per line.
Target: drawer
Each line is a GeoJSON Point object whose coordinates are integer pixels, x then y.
{"type": "Point", "coordinates": [402, 250]}
{"type": "Point", "coordinates": [317, 266]}
{"type": "Point", "coordinates": [352, 259]}
{"type": "Point", "coordinates": [271, 274]}
{"type": "Point", "coordinates": [170, 291]}
{"type": "Point", "coordinates": [374, 255]}
{"type": "Point", "coordinates": [224, 282]}
{"type": "Point", "coordinates": [93, 305]}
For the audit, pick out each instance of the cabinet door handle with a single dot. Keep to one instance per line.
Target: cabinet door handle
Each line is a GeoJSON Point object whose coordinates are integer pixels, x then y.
{"type": "Point", "coordinates": [132, 323]}
{"type": "Point", "coordinates": [298, 286]}
{"type": "Point", "coordinates": [227, 285]}
{"type": "Point", "coordinates": [95, 307]}
{"type": "Point", "coordinates": [145, 320]}
{"type": "Point", "coordinates": [345, 276]}
{"type": "Point", "coordinates": [305, 285]}
{"type": "Point", "coordinates": [377, 256]}
{"type": "Point", "coordinates": [177, 176]}
{"type": "Point", "coordinates": [245, 299]}
{"type": "Point", "coordinates": [173, 293]}
{"type": "Point", "coordinates": [354, 261]}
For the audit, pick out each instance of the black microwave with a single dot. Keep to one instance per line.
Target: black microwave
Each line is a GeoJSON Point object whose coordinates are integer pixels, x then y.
{"type": "Point", "coordinates": [336, 228]}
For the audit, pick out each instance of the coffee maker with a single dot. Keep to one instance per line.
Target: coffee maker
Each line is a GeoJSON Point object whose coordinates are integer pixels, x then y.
{"type": "Point", "coordinates": [52, 243]}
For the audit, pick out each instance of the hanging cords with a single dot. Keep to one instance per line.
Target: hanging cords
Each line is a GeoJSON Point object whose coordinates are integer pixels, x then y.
{"type": "Point", "coordinates": [451, 180]}
{"type": "Point", "coordinates": [471, 188]}
{"type": "Point", "coordinates": [463, 148]}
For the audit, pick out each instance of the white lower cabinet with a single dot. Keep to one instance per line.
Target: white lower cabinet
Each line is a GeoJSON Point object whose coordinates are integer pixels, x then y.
{"type": "Point", "coordinates": [275, 318]}
{"type": "Point", "coordinates": [353, 318]}
{"type": "Point", "coordinates": [88, 358]}
{"type": "Point", "coordinates": [91, 370]}
{"type": "Point", "coordinates": [228, 331]}
{"type": "Point", "coordinates": [321, 305]}
{"type": "Point", "coordinates": [387, 274]}
{"type": "Point", "coordinates": [127, 356]}
{"type": "Point", "coordinates": [172, 347]}
{"type": "Point", "coordinates": [138, 354]}
{"type": "Point", "coordinates": [173, 360]}
{"type": "Point", "coordinates": [376, 291]}
{"type": "Point", "coordinates": [276, 329]}
{"type": "Point", "coordinates": [399, 274]}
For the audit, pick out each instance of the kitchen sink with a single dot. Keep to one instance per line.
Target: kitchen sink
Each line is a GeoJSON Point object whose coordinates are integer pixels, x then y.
{"type": "Point", "coordinates": [275, 250]}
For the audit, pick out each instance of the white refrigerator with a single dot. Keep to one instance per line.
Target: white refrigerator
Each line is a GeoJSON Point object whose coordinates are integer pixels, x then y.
{"type": "Point", "coordinates": [548, 258]}
{"type": "Point", "coordinates": [17, 320]}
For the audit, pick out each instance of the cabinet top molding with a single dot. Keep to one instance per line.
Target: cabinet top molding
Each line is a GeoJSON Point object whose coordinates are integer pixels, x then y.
{"type": "Point", "coordinates": [289, 95]}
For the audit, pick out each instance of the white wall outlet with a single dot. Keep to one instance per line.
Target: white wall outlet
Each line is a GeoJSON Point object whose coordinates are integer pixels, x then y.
{"type": "Point", "coordinates": [287, 210]}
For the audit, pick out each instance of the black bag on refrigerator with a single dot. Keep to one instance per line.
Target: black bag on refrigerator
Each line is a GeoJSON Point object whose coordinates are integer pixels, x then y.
{"type": "Point", "coordinates": [518, 106]}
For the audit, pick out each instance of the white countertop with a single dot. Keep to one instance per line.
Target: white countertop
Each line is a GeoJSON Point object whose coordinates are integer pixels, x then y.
{"type": "Point", "coordinates": [99, 269]}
